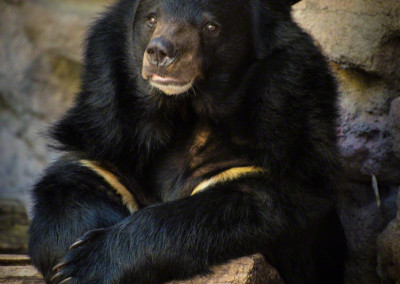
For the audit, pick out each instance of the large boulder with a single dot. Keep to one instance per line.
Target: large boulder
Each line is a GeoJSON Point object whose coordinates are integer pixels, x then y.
{"type": "Point", "coordinates": [357, 34]}
{"type": "Point", "coordinates": [40, 54]}
{"type": "Point", "coordinates": [389, 251]}
{"type": "Point", "coordinates": [363, 220]}
{"type": "Point", "coordinates": [361, 40]}
{"type": "Point", "coordinates": [250, 270]}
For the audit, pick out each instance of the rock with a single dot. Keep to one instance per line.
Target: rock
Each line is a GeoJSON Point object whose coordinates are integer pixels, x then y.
{"type": "Point", "coordinates": [359, 34]}
{"type": "Point", "coordinates": [14, 259]}
{"type": "Point", "coordinates": [363, 220]}
{"type": "Point", "coordinates": [365, 135]}
{"type": "Point", "coordinates": [40, 55]}
{"type": "Point", "coordinates": [388, 245]}
{"type": "Point", "coordinates": [354, 36]}
{"type": "Point", "coordinates": [20, 275]}
{"type": "Point", "coordinates": [14, 225]}
{"type": "Point", "coordinates": [249, 270]}
{"type": "Point", "coordinates": [16, 269]}
{"type": "Point", "coordinates": [361, 39]}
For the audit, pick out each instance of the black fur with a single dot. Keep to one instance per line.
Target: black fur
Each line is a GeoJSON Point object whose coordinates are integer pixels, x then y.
{"type": "Point", "coordinates": [266, 98]}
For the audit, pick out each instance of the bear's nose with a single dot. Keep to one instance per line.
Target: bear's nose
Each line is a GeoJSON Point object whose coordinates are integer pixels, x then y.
{"type": "Point", "coordinates": [161, 52]}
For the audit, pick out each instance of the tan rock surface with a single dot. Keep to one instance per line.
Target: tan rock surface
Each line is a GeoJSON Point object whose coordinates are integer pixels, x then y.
{"type": "Point", "coordinates": [246, 270]}
{"type": "Point", "coordinates": [40, 52]}
{"type": "Point", "coordinates": [356, 33]}
{"type": "Point", "coordinates": [361, 40]}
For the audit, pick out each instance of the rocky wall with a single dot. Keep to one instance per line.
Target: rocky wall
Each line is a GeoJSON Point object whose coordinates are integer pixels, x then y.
{"type": "Point", "coordinates": [361, 39]}
{"type": "Point", "coordinates": [40, 55]}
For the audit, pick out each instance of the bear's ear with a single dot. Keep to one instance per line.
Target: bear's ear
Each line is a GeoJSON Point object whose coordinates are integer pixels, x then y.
{"type": "Point", "coordinates": [268, 16]}
{"type": "Point", "coordinates": [265, 14]}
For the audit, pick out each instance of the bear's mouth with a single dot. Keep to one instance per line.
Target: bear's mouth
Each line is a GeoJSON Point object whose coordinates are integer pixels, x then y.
{"type": "Point", "coordinates": [169, 85]}
{"type": "Point", "coordinates": [165, 80]}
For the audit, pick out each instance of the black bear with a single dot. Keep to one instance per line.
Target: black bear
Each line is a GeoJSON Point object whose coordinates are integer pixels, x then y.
{"type": "Point", "coordinates": [204, 131]}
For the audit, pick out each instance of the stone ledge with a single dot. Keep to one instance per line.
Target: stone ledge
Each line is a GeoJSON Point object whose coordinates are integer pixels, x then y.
{"type": "Point", "coordinates": [16, 269]}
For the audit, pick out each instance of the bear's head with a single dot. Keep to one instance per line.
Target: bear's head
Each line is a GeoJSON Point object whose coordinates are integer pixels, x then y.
{"type": "Point", "coordinates": [149, 48]}
{"type": "Point", "coordinates": [188, 43]}
{"type": "Point", "coordinates": [148, 62]}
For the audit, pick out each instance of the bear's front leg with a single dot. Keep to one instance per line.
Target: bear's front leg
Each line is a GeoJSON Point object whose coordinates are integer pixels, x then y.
{"type": "Point", "coordinates": [182, 238]}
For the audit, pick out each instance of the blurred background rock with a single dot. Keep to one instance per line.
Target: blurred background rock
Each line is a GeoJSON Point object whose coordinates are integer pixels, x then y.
{"type": "Point", "coordinates": [40, 62]}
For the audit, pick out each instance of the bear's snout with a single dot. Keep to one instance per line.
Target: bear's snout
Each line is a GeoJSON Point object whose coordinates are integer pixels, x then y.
{"type": "Point", "coordinates": [161, 52]}
{"type": "Point", "coordinates": [172, 58]}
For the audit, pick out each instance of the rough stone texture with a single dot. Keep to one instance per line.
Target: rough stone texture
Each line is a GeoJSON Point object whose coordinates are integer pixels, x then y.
{"type": "Point", "coordinates": [40, 51]}
{"type": "Point", "coordinates": [13, 227]}
{"type": "Point", "coordinates": [363, 220]}
{"type": "Point", "coordinates": [360, 33]}
{"type": "Point", "coordinates": [361, 39]}
{"type": "Point", "coordinates": [389, 251]}
{"type": "Point", "coordinates": [16, 269]}
{"type": "Point", "coordinates": [245, 270]}
{"type": "Point", "coordinates": [365, 134]}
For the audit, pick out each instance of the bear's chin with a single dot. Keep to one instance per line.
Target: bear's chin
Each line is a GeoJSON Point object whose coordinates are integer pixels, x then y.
{"type": "Point", "coordinates": [170, 89]}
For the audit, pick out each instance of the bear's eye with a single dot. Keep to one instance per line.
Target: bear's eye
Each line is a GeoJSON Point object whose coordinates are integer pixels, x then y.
{"type": "Point", "coordinates": [152, 21]}
{"type": "Point", "coordinates": [211, 28]}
